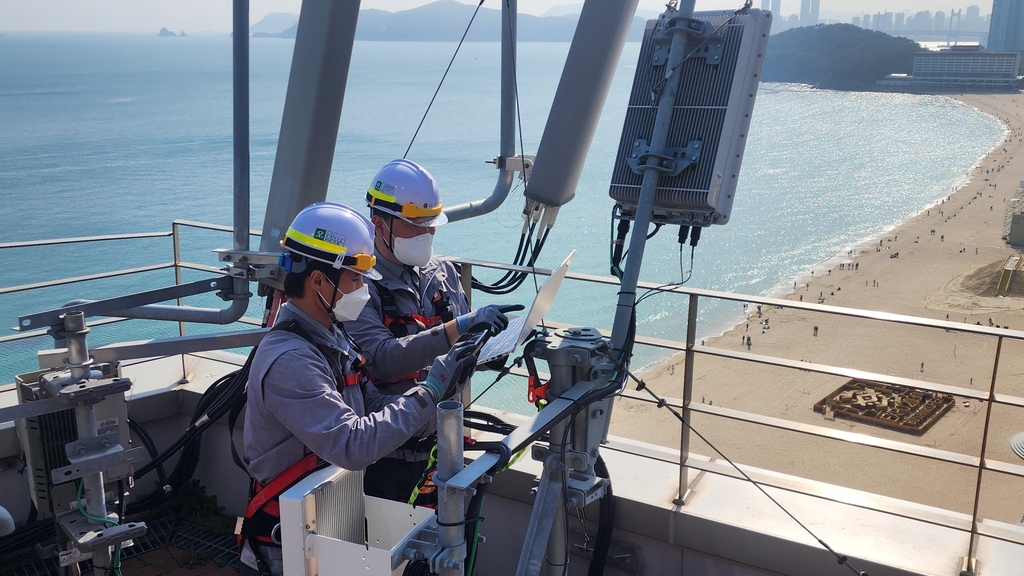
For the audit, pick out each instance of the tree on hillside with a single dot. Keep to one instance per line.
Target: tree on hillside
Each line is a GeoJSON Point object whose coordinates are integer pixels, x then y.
{"type": "Point", "coordinates": [839, 56]}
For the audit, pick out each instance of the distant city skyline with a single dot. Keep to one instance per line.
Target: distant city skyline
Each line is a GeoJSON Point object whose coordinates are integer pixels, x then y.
{"type": "Point", "coordinates": [215, 16]}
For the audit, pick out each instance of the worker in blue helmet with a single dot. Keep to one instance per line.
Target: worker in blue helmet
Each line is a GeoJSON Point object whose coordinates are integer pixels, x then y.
{"type": "Point", "coordinates": [309, 401]}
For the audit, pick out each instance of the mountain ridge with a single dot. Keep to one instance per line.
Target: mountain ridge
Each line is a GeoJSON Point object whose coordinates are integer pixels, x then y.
{"type": "Point", "coordinates": [445, 21]}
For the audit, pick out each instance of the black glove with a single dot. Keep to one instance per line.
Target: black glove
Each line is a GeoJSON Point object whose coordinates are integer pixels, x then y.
{"type": "Point", "coordinates": [450, 373]}
{"type": "Point", "coordinates": [492, 316]}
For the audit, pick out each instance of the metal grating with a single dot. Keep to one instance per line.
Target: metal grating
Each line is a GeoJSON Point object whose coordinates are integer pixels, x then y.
{"type": "Point", "coordinates": [33, 565]}
{"type": "Point", "coordinates": [709, 109]}
{"type": "Point", "coordinates": [219, 548]}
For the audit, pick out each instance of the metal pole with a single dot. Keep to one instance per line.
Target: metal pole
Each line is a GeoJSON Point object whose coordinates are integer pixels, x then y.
{"type": "Point", "coordinates": [176, 242]}
{"type": "Point", "coordinates": [561, 380]}
{"type": "Point", "coordinates": [576, 108]}
{"type": "Point", "coordinates": [240, 57]}
{"type": "Point", "coordinates": [648, 188]}
{"type": "Point", "coordinates": [684, 439]}
{"type": "Point", "coordinates": [78, 351]}
{"type": "Point", "coordinates": [506, 121]}
{"type": "Point", "coordinates": [75, 331]}
{"type": "Point", "coordinates": [312, 114]}
{"type": "Point", "coordinates": [450, 502]}
{"type": "Point", "coordinates": [973, 549]}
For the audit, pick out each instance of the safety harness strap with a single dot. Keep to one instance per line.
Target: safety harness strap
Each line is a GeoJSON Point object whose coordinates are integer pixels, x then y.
{"type": "Point", "coordinates": [402, 325]}
{"type": "Point", "coordinates": [263, 514]}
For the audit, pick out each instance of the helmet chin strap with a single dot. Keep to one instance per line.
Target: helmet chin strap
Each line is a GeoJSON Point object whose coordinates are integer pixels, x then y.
{"type": "Point", "coordinates": [334, 296]}
{"type": "Point", "coordinates": [390, 245]}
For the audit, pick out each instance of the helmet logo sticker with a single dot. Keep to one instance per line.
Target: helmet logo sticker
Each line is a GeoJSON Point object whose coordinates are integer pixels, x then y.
{"type": "Point", "coordinates": [384, 187]}
{"type": "Point", "coordinates": [329, 237]}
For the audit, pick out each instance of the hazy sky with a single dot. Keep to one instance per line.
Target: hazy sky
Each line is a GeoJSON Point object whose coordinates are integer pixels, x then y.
{"type": "Point", "coordinates": [215, 15]}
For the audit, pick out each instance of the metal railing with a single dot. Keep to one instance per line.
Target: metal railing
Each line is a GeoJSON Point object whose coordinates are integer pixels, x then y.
{"type": "Point", "coordinates": [177, 264]}
{"type": "Point", "coordinates": [980, 463]}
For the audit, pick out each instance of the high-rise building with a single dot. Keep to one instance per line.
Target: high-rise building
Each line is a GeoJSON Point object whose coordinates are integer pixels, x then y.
{"type": "Point", "coordinates": [973, 14]}
{"type": "Point", "coordinates": [886, 25]}
{"type": "Point", "coordinates": [921, 21]}
{"type": "Point", "coordinates": [1006, 28]}
{"type": "Point", "coordinates": [766, 4]}
{"type": "Point", "coordinates": [815, 10]}
{"type": "Point", "coordinates": [856, 21]}
{"type": "Point", "coordinates": [777, 8]}
{"type": "Point", "coordinates": [899, 21]}
{"type": "Point", "coordinates": [940, 20]}
{"type": "Point", "coordinates": [805, 12]}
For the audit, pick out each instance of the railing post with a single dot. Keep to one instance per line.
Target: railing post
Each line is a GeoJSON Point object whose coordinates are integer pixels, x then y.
{"type": "Point", "coordinates": [969, 564]}
{"type": "Point", "coordinates": [176, 240]}
{"type": "Point", "coordinates": [466, 278]}
{"type": "Point", "coordinates": [684, 435]}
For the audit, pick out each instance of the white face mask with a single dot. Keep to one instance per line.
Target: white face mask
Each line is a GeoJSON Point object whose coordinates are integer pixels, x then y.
{"type": "Point", "coordinates": [348, 307]}
{"type": "Point", "coordinates": [415, 251]}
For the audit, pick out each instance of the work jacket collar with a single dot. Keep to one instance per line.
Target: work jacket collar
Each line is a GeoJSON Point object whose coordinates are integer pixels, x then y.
{"type": "Point", "coordinates": [322, 336]}
{"type": "Point", "coordinates": [391, 270]}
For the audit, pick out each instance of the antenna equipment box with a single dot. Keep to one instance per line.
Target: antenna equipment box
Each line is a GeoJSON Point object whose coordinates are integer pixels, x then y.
{"type": "Point", "coordinates": [700, 163]}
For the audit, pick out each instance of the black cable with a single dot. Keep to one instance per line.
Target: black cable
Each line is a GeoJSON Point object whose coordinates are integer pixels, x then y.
{"type": "Point", "coordinates": [657, 226]}
{"type": "Point", "coordinates": [529, 248]}
{"type": "Point", "coordinates": [417, 568]}
{"type": "Point", "coordinates": [443, 76]}
{"type": "Point", "coordinates": [476, 506]}
{"type": "Point", "coordinates": [517, 278]}
{"type": "Point", "coordinates": [662, 403]}
{"type": "Point", "coordinates": [214, 404]}
{"type": "Point", "coordinates": [147, 442]}
{"type": "Point", "coordinates": [504, 372]}
{"type": "Point", "coordinates": [683, 279]}
{"type": "Point", "coordinates": [27, 535]}
{"type": "Point", "coordinates": [605, 524]}
{"type": "Point", "coordinates": [565, 489]}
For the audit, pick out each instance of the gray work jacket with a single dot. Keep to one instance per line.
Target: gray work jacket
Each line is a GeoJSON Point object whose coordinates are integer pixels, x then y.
{"type": "Point", "coordinates": [389, 359]}
{"type": "Point", "coordinates": [295, 405]}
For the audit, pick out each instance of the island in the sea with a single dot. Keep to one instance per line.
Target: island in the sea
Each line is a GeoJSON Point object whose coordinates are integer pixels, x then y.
{"type": "Point", "coordinates": [167, 33]}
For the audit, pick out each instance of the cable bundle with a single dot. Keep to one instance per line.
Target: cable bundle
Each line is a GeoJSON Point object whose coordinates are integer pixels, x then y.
{"type": "Point", "coordinates": [216, 402]}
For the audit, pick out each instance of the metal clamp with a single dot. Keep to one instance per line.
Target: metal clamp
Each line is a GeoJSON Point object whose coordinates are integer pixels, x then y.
{"type": "Point", "coordinates": [574, 460]}
{"type": "Point", "coordinates": [88, 536]}
{"type": "Point", "coordinates": [92, 455]}
{"type": "Point", "coordinates": [250, 264]}
{"type": "Point", "coordinates": [518, 163]}
{"type": "Point", "coordinates": [72, 390]}
{"type": "Point", "coordinates": [702, 42]}
{"type": "Point", "coordinates": [670, 163]}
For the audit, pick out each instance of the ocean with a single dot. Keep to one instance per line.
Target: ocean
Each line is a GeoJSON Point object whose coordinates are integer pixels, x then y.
{"type": "Point", "coordinates": [105, 134]}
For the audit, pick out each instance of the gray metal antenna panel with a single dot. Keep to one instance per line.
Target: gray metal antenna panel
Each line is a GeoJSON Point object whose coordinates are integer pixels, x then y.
{"type": "Point", "coordinates": [312, 113]}
{"type": "Point", "coordinates": [713, 108]}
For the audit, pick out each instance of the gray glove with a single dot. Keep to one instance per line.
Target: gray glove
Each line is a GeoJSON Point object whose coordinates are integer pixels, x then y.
{"type": "Point", "coordinates": [450, 373]}
{"type": "Point", "coordinates": [492, 315]}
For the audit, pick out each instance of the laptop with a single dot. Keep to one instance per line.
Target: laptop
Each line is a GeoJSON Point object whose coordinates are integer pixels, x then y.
{"type": "Point", "coordinates": [519, 327]}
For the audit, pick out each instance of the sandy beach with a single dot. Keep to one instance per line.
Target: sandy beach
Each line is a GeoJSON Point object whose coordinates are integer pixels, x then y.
{"type": "Point", "coordinates": [940, 264]}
